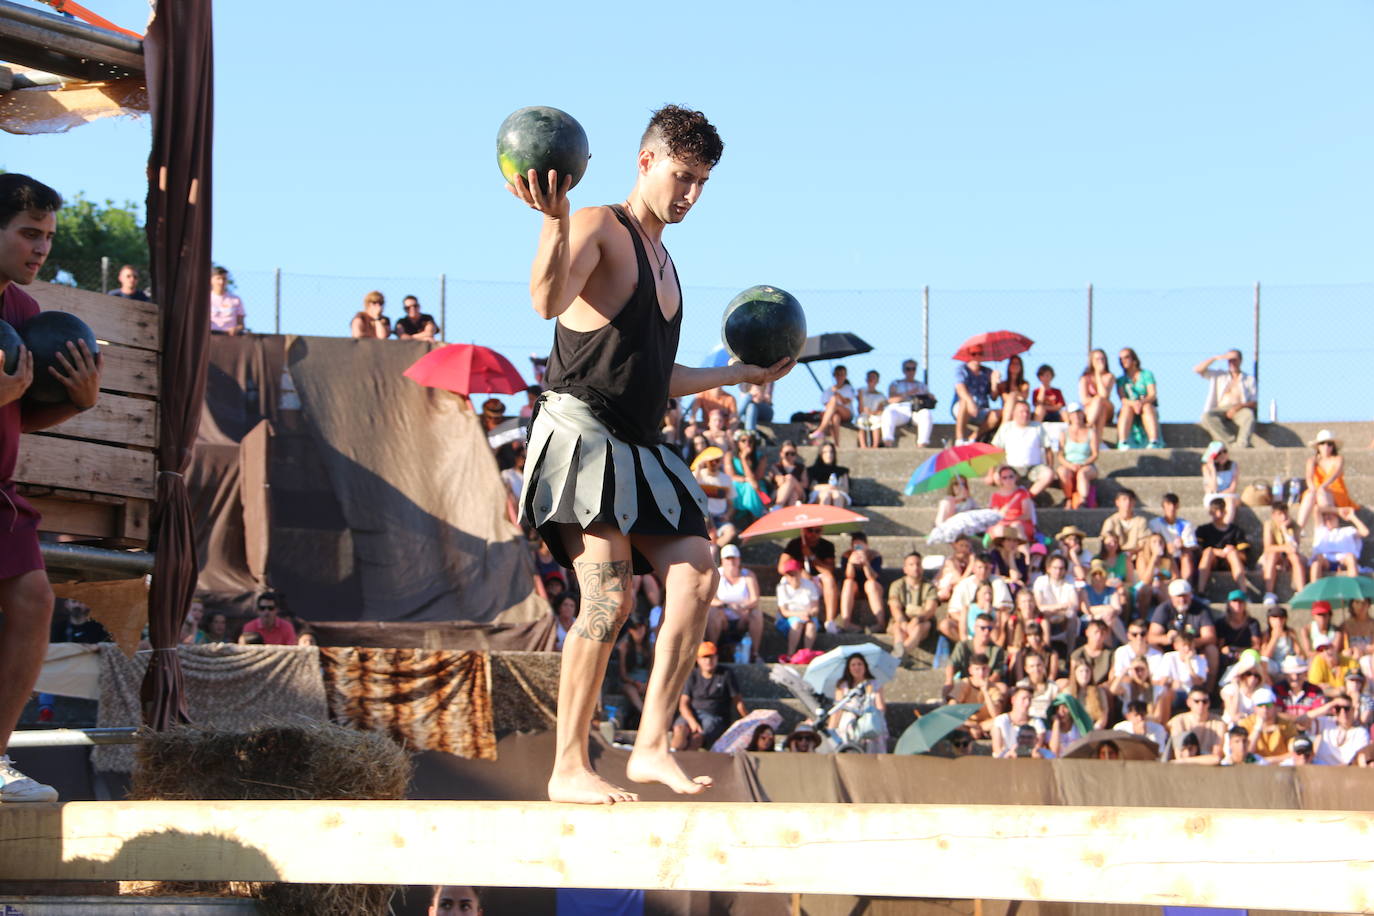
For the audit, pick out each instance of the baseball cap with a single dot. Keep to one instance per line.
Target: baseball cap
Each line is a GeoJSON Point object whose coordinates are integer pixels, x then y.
{"type": "Point", "coordinates": [791, 564]}
{"type": "Point", "coordinates": [1235, 595]}
{"type": "Point", "coordinates": [1302, 745]}
{"type": "Point", "coordinates": [1321, 607]}
{"type": "Point", "coordinates": [1293, 665]}
{"type": "Point", "coordinates": [705, 649]}
{"type": "Point", "coordinates": [1263, 696]}
{"type": "Point", "coordinates": [728, 551]}
{"type": "Point", "coordinates": [1073, 407]}
{"type": "Point", "coordinates": [1179, 587]}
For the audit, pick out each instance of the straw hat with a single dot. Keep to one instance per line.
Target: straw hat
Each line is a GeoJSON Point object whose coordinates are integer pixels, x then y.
{"type": "Point", "coordinates": [709, 453]}
{"type": "Point", "coordinates": [1007, 532]}
{"type": "Point", "coordinates": [1324, 435]}
{"type": "Point", "coordinates": [1068, 530]}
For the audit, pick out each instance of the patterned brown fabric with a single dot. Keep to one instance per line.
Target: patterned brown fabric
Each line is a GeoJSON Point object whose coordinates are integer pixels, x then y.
{"type": "Point", "coordinates": [425, 700]}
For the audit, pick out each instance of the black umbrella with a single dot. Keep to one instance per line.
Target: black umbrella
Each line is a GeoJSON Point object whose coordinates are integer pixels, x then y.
{"type": "Point", "coordinates": [834, 345]}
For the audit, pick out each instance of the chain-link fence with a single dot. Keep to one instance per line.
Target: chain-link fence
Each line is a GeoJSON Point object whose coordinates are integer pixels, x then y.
{"type": "Point", "coordinates": [1305, 333]}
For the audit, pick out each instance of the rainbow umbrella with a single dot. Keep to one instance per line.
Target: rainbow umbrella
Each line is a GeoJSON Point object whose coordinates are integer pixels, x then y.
{"type": "Point", "coordinates": [939, 469]}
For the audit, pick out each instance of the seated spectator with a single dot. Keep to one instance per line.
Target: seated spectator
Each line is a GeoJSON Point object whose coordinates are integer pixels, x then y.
{"type": "Point", "coordinates": [633, 659]}
{"type": "Point", "coordinates": [129, 289]}
{"type": "Point", "coordinates": [956, 621]}
{"type": "Point", "coordinates": [1043, 690]}
{"type": "Point", "coordinates": [216, 629]}
{"type": "Point", "coordinates": [1336, 548]}
{"type": "Point", "coordinates": [416, 325]}
{"type": "Point", "coordinates": [1220, 540]}
{"type": "Point", "coordinates": [908, 401]}
{"type": "Point", "coordinates": [493, 414]}
{"type": "Point", "coordinates": [1221, 478]}
{"type": "Point", "coordinates": [1129, 528]}
{"type": "Point", "coordinates": [972, 405]}
{"type": "Point", "coordinates": [1069, 542]}
{"type": "Point", "coordinates": [1095, 387]}
{"type": "Point", "coordinates": [1063, 731]}
{"type": "Point", "coordinates": [1025, 446]}
{"type": "Point", "coordinates": [1136, 646]}
{"type": "Point", "coordinates": [1137, 683]}
{"type": "Point", "coordinates": [745, 468]}
{"type": "Point", "coordinates": [1295, 695]}
{"type": "Point", "coordinates": [1320, 628]}
{"type": "Point", "coordinates": [839, 404]}
{"type": "Point", "coordinates": [912, 604]}
{"type": "Point", "coordinates": [273, 630]}
{"type": "Point", "coordinates": [1325, 477]}
{"type": "Point", "coordinates": [1184, 611]}
{"type": "Point", "coordinates": [1113, 560]}
{"type": "Point", "coordinates": [1137, 722]}
{"type": "Point", "coordinates": [1094, 652]}
{"type": "Point", "coordinates": [717, 431]}
{"type": "Point", "coordinates": [862, 566]}
{"type": "Point", "coordinates": [77, 624]}
{"type": "Point", "coordinates": [957, 499]}
{"type": "Point", "coordinates": [1048, 400]}
{"type": "Point", "coordinates": [799, 604]}
{"type": "Point", "coordinates": [788, 478]}
{"type": "Point", "coordinates": [1300, 752]}
{"type": "Point", "coordinates": [1187, 749]}
{"type": "Point", "coordinates": [449, 898]}
{"type": "Point", "coordinates": [1180, 537]}
{"type": "Point", "coordinates": [1079, 447]}
{"type": "Point", "coordinates": [226, 310]}
{"type": "Point", "coordinates": [1337, 739]}
{"type": "Point", "coordinates": [1236, 630]}
{"type": "Point", "coordinates": [734, 612]}
{"type": "Point", "coordinates": [1060, 602]}
{"type": "Point", "coordinates": [708, 698]}
{"type": "Point", "coordinates": [1270, 732]}
{"type": "Point", "coordinates": [1094, 697]}
{"type": "Point", "coordinates": [1014, 388]}
{"type": "Point", "coordinates": [980, 644]}
{"type": "Point", "coordinates": [977, 688]}
{"type": "Point", "coordinates": [1232, 397]}
{"type": "Point", "coordinates": [720, 493]}
{"type": "Point", "coordinates": [1154, 570]}
{"type": "Point", "coordinates": [1010, 560]}
{"type": "Point", "coordinates": [1280, 549]}
{"type": "Point", "coordinates": [1014, 628]}
{"type": "Point", "coordinates": [1358, 628]}
{"type": "Point", "coordinates": [370, 323]}
{"type": "Point", "coordinates": [1013, 500]}
{"type": "Point", "coordinates": [565, 614]}
{"type": "Point", "coordinates": [1139, 403]}
{"type": "Point", "coordinates": [1330, 666]}
{"type": "Point", "coordinates": [957, 565]}
{"type": "Point", "coordinates": [1238, 748]}
{"type": "Point", "coordinates": [757, 405]}
{"type": "Point", "coordinates": [1279, 642]}
{"type": "Point", "coordinates": [982, 604]}
{"type": "Point", "coordinates": [715, 399]}
{"type": "Point", "coordinates": [531, 397]}
{"type": "Point", "coordinates": [829, 478]}
{"type": "Point", "coordinates": [1006, 728]}
{"type": "Point", "coordinates": [817, 558]}
{"type": "Point", "coordinates": [1238, 697]}
{"type": "Point", "coordinates": [670, 432]}
{"type": "Point", "coordinates": [803, 739]}
{"type": "Point", "coordinates": [861, 721]}
{"type": "Point", "coordinates": [1182, 668]}
{"type": "Point", "coordinates": [1201, 722]}
{"type": "Point", "coordinates": [764, 739]}
{"type": "Point", "coordinates": [871, 401]}
{"type": "Point", "coordinates": [1363, 700]}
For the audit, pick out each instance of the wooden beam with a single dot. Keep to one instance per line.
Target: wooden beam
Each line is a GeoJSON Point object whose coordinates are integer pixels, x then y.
{"type": "Point", "coordinates": [1147, 856]}
{"type": "Point", "coordinates": [71, 463]}
{"type": "Point", "coordinates": [115, 418]}
{"type": "Point", "coordinates": [119, 321]}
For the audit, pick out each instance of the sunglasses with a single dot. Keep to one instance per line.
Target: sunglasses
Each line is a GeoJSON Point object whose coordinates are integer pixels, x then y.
{"type": "Point", "coordinates": [1135, 633]}
{"type": "Point", "coordinates": [1343, 708]}
{"type": "Point", "coordinates": [982, 626]}
{"type": "Point", "coordinates": [1199, 701]}
{"type": "Point", "coordinates": [267, 607]}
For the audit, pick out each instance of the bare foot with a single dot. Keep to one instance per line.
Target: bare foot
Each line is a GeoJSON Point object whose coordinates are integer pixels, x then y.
{"type": "Point", "coordinates": [650, 766]}
{"type": "Point", "coordinates": [584, 787]}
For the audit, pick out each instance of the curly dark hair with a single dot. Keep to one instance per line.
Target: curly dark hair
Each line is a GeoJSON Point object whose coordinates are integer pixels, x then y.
{"type": "Point", "coordinates": [685, 134]}
{"type": "Point", "coordinates": [20, 193]}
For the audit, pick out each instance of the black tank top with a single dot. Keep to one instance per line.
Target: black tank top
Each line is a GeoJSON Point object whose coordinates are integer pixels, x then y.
{"type": "Point", "coordinates": [621, 371]}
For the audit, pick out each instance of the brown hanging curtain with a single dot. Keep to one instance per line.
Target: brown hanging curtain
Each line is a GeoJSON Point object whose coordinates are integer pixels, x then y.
{"type": "Point", "coordinates": [179, 60]}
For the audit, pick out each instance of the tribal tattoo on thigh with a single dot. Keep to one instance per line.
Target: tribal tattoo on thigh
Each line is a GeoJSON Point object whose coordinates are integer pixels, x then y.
{"type": "Point", "coordinates": [603, 592]}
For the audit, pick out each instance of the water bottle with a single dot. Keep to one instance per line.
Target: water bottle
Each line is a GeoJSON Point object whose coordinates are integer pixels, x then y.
{"type": "Point", "coordinates": [1276, 490]}
{"type": "Point", "coordinates": [941, 653]}
{"type": "Point", "coordinates": [743, 649]}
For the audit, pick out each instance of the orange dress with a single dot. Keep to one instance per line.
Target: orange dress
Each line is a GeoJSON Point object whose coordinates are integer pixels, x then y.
{"type": "Point", "coordinates": [1336, 488]}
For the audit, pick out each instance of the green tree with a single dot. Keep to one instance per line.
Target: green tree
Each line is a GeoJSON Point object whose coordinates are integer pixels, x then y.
{"type": "Point", "coordinates": [87, 231]}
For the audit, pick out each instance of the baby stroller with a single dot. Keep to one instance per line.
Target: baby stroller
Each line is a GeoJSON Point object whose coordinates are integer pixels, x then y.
{"type": "Point", "coordinates": [820, 708]}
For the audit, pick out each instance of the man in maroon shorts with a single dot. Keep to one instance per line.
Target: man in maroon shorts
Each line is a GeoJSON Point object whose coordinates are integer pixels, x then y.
{"type": "Point", "coordinates": [28, 222]}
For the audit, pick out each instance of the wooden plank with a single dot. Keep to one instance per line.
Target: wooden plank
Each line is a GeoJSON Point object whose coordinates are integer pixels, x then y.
{"type": "Point", "coordinates": [54, 462]}
{"type": "Point", "coordinates": [115, 418]}
{"type": "Point", "coordinates": [1144, 856]}
{"type": "Point", "coordinates": [133, 523]}
{"type": "Point", "coordinates": [83, 519]}
{"type": "Point", "coordinates": [129, 370]}
{"type": "Point", "coordinates": [120, 321]}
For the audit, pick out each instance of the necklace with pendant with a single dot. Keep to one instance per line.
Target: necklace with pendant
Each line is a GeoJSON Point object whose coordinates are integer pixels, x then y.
{"type": "Point", "coordinates": [634, 219]}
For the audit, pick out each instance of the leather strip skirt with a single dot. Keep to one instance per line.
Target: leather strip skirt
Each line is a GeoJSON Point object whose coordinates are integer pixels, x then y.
{"type": "Point", "coordinates": [582, 474]}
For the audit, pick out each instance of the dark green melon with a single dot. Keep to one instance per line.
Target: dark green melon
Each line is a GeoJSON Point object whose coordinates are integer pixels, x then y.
{"type": "Point", "coordinates": [46, 334]}
{"type": "Point", "coordinates": [10, 342]}
{"type": "Point", "coordinates": [762, 325]}
{"type": "Point", "coordinates": [542, 138]}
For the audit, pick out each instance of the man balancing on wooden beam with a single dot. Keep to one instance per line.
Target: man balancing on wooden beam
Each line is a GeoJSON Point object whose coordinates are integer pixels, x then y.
{"type": "Point", "coordinates": [28, 222]}
{"type": "Point", "coordinates": [607, 498]}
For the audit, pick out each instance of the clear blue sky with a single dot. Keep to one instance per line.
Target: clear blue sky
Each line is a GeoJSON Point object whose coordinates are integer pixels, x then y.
{"type": "Point", "coordinates": [991, 146]}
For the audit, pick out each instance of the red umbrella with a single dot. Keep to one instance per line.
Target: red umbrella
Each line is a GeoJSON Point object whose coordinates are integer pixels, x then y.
{"type": "Point", "coordinates": [466, 368]}
{"type": "Point", "coordinates": [788, 522]}
{"type": "Point", "coordinates": [994, 346]}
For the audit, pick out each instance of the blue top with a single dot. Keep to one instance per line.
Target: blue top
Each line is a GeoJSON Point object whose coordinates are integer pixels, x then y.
{"type": "Point", "coordinates": [979, 384]}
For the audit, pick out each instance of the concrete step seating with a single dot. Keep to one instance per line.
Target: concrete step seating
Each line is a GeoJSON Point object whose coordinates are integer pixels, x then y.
{"type": "Point", "coordinates": [899, 524]}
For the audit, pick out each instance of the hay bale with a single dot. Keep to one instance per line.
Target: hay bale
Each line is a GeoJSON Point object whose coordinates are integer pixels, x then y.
{"type": "Point", "coordinates": [308, 760]}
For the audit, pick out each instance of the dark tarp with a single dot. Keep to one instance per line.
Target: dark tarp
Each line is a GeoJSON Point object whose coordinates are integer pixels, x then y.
{"type": "Point", "coordinates": [179, 57]}
{"type": "Point", "coordinates": [376, 499]}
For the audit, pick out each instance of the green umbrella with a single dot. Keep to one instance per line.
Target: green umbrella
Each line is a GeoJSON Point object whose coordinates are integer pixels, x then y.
{"type": "Point", "coordinates": [926, 732]}
{"type": "Point", "coordinates": [1076, 712]}
{"type": "Point", "coordinates": [1336, 589]}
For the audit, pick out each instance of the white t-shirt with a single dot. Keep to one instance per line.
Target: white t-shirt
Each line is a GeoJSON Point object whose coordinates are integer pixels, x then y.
{"type": "Point", "coordinates": [1003, 724]}
{"type": "Point", "coordinates": [845, 391]}
{"type": "Point", "coordinates": [738, 593]}
{"type": "Point", "coordinates": [1182, 672]}
{"type": "Point", "coordinates": [1024, 445]}
{"type": "Point", "coordinates": [1181, 530]}
{"type": "Point", "coordinates": [1153, 730]}
{"type": "Point", "coordinates": [1123, 656]}
{"type": "Point", "coordinates": [1219, 379]}
{"type": "Point", "coordinates": [967, 589]}
{"type": "Point", "coordinates": [1332, 542]}
{"type": "Point", "coordinates": [800, 600]}
{"type": "Point", "coordinates": [1338, 747]}
{"type": "Point", "coordinates": [1047, 593]}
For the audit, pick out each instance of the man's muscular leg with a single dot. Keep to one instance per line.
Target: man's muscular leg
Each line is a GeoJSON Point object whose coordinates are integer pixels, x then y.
{"type": "Point", "coordinates": [27, 604]}
{"type": "Point", "coordinates": [689, 582]}
{"type": "Point", "coordinates": [601, 560]}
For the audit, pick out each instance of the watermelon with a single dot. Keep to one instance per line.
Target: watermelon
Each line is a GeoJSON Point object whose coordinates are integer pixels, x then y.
{"type": "Point", "coordinates": [762, 325]}
{"type": "Point", "coordinates": [10, 342]}
{"type": "Point", "coordinates": [542, 138]}
{"type": "Point", "coordinates": [46, 334]}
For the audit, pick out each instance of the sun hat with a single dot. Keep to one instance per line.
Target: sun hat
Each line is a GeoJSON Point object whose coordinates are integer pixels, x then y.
{"type": "Point", "coordinates": [791, 564]}
{"type": "Point", "coordinates": [729, 551]}
{"type": "Point", "coordinates": [1179, 587]}
{"type": "Point", "coordinates": [1293, 665]}
{"type": "Point", "coordinates": [709, 453]}
{"type": "Point", "coordinates": [1068, 530]}
{"type": "Point", "coordinates": [1263, 696]}
{"type": "Point", "coordinates": [1324, 435]}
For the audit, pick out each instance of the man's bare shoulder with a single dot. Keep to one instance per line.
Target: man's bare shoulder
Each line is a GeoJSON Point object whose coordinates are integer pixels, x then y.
{"type": "Point", "coordinates": [594, 220]}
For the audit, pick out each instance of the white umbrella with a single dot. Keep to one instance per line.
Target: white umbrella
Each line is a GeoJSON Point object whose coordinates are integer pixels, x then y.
{"type": "Point", "coordinates": [974, 521]}
{"type": "Point", "coordinates": [825, 672]}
